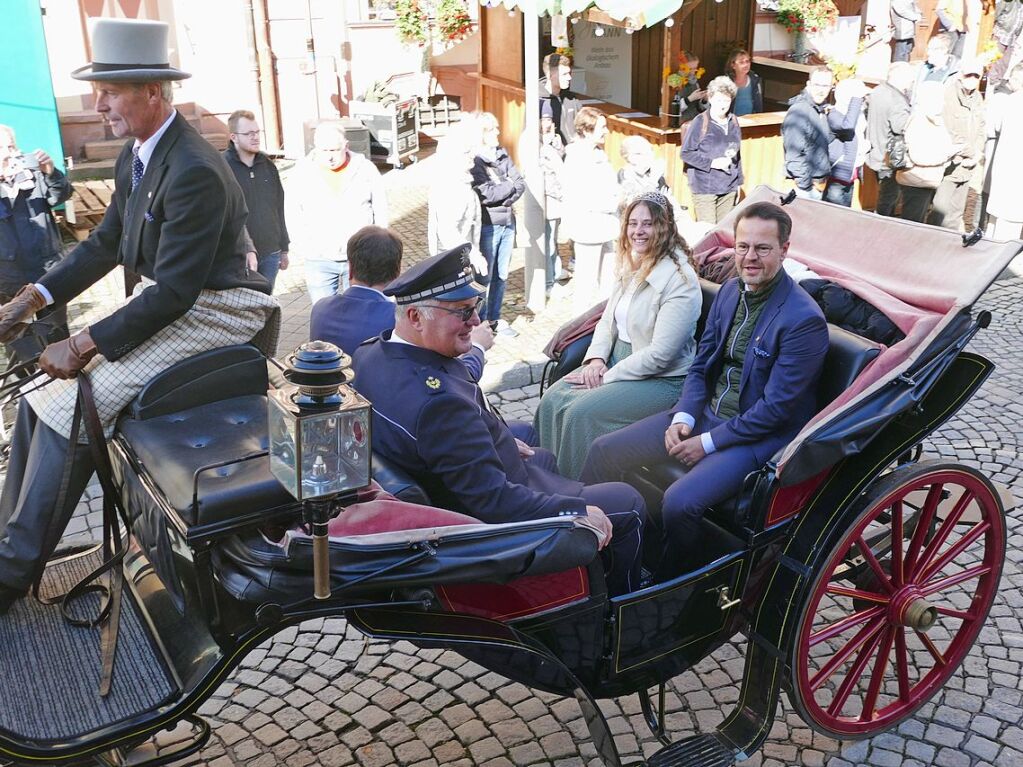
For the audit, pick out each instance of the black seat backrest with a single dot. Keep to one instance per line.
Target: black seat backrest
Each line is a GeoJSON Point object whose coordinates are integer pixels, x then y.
{"type": "Point", "coordinates": [230, 371]}
{"type": "Point", "coordinates": [397, 481]}
{"type": "Point", "coordinates": [848, 354]}
{"type": "Point", "coordinates": [710, 292]}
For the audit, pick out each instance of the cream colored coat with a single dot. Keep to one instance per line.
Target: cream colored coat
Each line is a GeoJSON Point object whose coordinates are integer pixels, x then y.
{"type": "Point", "coordinates": [661, 322]}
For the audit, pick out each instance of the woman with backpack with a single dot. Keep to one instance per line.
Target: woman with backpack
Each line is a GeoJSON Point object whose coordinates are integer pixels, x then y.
{"type": "Point", "coordinates": [711, 152]}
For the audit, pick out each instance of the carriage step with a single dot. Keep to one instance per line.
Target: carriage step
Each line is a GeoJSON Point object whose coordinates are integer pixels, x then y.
{"type": "Point", "coordinates": [697, 751]}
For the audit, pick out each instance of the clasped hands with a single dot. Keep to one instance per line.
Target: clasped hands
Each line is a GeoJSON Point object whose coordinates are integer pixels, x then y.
{"type": "Point", "coordinates": [589, 376]}
{"type": "Point", "coordinates": [683, 445]}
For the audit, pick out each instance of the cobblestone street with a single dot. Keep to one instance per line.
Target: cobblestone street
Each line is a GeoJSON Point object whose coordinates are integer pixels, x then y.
{"type": "Point", "coordinates": [321, 694]}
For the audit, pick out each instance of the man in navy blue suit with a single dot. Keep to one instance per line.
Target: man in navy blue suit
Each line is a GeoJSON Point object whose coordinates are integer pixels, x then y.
{"type": "Point", "coordinates": [431, 419]}
{"type": "Point", "coordinates": [749, 391]}
{"type": "Point", "coordinates": [363, 311]}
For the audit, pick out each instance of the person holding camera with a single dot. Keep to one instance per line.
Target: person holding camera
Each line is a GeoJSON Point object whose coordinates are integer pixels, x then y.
{"type": "Point", "coordinates": [30, 187]}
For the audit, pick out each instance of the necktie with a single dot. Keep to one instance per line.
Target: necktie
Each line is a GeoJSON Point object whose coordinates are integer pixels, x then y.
{"type": "Point", "coordinates": [137, 168]}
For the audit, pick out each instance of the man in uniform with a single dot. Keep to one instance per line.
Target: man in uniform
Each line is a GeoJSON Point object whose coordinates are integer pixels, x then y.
{"type": "Point", "coordinates": [431, 419]}
{"type": "Point", "coordinates": [748, 393]}
{"type": "Point", "coordinates": [175, 218]}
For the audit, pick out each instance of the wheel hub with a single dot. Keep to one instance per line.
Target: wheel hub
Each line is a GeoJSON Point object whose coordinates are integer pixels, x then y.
{"type": "Point", "coordinates": [909, 608]}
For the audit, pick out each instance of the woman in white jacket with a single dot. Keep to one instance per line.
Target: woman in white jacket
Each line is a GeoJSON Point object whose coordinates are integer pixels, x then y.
{"type": "Point", "coordinates": [642, 347]}
{"type": "Point", "coordinates": [590, 208]}
{"type": "Point", "coordinates": [929, 148]}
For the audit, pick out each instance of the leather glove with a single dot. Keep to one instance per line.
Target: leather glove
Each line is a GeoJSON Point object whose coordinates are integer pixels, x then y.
{"type": "Point", "coordinates": [15, 313]}
{"type": "Point", "coordinates": [64, 359]}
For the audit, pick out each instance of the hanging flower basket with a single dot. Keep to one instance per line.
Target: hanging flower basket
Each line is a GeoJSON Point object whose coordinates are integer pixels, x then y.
{"type": "Point", "coordinates": [807, 16]}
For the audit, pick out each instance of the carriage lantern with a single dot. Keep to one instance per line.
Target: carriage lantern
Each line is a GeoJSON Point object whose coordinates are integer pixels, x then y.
{"type": "Point", "coordinates": [319, 439]}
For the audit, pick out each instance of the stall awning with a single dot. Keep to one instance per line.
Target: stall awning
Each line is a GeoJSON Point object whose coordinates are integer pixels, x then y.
{"type": "Point", "coordinates": [639, 13]}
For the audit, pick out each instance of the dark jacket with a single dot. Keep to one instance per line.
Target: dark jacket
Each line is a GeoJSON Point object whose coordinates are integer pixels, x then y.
{"type": "Point", "coordinates": [359, 314]}
{"type": "Point", "coordinates": [757, 86]}
{"type": "Point", "coordinates": [565, 106]}
{"type": "Point", "coordinates": [705, 141]}
{"type": "Point", "coordinates": [844, 308]}
{"type": "Point", "coordinates": [498, 184]}
{"type": "Point", "coordinates": [779, 374]}
{"type": "Point", "coordinates": [29, 240]}
{"type": "Point", "coordinates": [691, 109]}
{"type": "Point", "coordinates": [179, 228]}
{"type": "Point", "coordinates": [886, 117]}
{"type": "Point", "coordinates": [264, 197]}
{"type": "Point", "coordinates": [846, 143]}
{"type": "Point", "coordinates": [430, 419]}
{"type": "Point", "coordinates": [806, 137]}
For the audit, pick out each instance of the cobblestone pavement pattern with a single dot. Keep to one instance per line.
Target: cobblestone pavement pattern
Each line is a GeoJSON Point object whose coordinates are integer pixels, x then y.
{"type": "Point", "coordinates": [319, 694]}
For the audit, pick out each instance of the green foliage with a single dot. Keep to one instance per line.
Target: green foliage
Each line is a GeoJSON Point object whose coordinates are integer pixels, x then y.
{"type": "Point", "coordinates": [806, 15]}
{"type": "Point", "coordinates": [453, 20]}
{"type": "Point", "coordinates": [411, 22]}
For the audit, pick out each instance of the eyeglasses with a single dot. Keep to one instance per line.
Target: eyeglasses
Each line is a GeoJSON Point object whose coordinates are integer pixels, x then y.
{"type": "Point", "coordinates": [762, 250]}
{"type": "Point", "coordinates": [465, 313]}
{"type": "Point", "coordinates": [250, 134]}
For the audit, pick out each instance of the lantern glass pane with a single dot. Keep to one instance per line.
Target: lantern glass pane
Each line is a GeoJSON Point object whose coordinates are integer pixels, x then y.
{"type": "Point", "coordinates": [282, 427]}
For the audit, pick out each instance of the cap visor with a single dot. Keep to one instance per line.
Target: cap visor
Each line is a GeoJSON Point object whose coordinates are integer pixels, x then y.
{"type": "Point", "coordinates": [469, 290]}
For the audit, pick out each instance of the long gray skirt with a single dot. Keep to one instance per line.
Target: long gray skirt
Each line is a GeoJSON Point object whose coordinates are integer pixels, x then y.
{"type": "Point", "coordinates": [569, 419]}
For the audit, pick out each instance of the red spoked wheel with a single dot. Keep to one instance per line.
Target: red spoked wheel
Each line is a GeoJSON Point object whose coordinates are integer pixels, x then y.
{"type": "Point", "coordinates": [899, 602]}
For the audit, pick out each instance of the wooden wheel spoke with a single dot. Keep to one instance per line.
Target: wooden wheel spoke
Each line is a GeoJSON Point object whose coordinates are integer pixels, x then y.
{"type": "Point", "coordinates": [932, 648]}
{"type": "Point", "coordinates": [877, 677]}
{"type": "Point", "coordinates": [844, 624]}
{"type": "Point", "coordinates": [869, 631]}
{"type": "Point", "coordinates": [874, 565]}
{"type": "Point", "coordinates": [854, 675]}
{"type": "Point", "coordinates": [865, 596]}
{"type": "Point", "coordinates": [942, 533]}
{"type": "Point", "coordinates": [966, 616]}
{"type": "Point", "coordinates": [928, 570]}
{"type": "Point", "coordinates": [897, 569]}
{"type": "Point", "coordinates": [902, 664]}
{"type": "Point", "coordinates": [954, 580]}
{"type": "Point", "coordinates": [923, 521]}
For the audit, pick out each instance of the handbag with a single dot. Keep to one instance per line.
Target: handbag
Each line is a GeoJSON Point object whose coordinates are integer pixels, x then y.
{"type": "Point", "coordinates": [896, 157]}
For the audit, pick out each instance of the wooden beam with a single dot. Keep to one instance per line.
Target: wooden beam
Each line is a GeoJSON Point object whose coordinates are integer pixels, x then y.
{"type": "Point", "coordinates": [685, 10]}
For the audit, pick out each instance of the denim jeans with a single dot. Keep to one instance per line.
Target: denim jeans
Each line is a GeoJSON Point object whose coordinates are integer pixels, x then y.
{"type": "Point", "coordinates": [325, 278]}
{"type": "Point", "coordinates": [268, 266]}
{"type": "Point", "coordinates": [550, 250]}
{"type": "Point", "coordinates": [838, 193]}
{"type": "Point", "coordinates": [496, 244]}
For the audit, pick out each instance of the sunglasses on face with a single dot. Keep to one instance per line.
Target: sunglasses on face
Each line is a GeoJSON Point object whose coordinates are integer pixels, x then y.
{"type": "Point", "coordinates": [465, 313]}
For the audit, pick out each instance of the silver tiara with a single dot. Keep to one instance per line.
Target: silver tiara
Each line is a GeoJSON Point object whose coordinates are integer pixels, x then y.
{"type": "Point", "coordinates": [658, 199]}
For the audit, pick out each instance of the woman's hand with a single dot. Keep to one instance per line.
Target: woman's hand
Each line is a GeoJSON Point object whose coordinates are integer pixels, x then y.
{"type": "Point", "coordinates": [593, 374]}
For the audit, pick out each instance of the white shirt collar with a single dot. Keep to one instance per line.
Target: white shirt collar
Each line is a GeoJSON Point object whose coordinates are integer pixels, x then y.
{"type": "Point", "coordinates": [147, 147]}
{"type": "Point", "coordinates": [379, 293]}
{"type": "Point", "coordinates": [395, 338]}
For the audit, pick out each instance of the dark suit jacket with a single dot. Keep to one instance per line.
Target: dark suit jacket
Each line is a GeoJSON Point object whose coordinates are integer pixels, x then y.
{"type": "Point", "coordinates": [777, 392]}
{"type": "Point", "coordinates": [430, 419]}
{"type": "Point", "coordinates": [359, 314]}
{"type": "Point", "coordinates": [179, 228]}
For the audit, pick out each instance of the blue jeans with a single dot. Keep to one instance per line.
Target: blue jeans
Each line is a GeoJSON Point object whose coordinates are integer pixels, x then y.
{"type": "Point", "coordinates": [550, 250]}
{"type": "Point", "coordinates": [838, 193]}
{"type": "Point", "coordinates": [496, 243]}
{"type": "Point", "coordinates": [325, 278]}
{"type": "Point", "coordinates": [268, 266]}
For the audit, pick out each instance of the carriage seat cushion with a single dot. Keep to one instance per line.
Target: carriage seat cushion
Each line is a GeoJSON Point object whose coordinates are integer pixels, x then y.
{"type": "Point", "coordinates": [173, 447]}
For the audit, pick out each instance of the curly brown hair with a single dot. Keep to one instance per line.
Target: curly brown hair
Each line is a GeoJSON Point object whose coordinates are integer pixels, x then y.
{"type": "Point", "coordinates": [665, 243]}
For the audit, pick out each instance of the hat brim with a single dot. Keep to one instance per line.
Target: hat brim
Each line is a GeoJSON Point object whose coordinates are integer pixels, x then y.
{"type": "Point", "coordinates": [469, 290]}
{"type": "Point", "coordinates": [129, 75]}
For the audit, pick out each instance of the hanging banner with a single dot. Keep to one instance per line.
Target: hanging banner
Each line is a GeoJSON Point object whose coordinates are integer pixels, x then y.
{"type": "Point", "coordinates": [605, 56]}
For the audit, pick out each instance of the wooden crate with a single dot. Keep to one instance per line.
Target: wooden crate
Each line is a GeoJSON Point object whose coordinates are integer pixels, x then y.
{"type": "Point", "coordinates": [87, 205]}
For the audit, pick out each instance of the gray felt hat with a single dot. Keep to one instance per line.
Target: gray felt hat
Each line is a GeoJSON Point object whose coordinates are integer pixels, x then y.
{"type": "Point", "coordinates": [129, 50]}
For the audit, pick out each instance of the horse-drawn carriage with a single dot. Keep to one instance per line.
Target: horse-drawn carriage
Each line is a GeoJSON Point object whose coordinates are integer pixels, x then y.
{"type": "Point", "coordinates": [858, 572]}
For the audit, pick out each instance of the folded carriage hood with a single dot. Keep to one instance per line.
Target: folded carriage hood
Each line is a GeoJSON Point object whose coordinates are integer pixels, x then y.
{"type": "Point", "coordinates": [920, 276]}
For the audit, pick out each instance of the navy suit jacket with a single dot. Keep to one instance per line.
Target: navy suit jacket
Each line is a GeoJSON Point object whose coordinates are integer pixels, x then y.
{"type": "Point", "coordinates": [359, 314]}
{"type": "Point", "coordinates": [777, 392]}
{"type": "Point", "coordinates": [431, 419]}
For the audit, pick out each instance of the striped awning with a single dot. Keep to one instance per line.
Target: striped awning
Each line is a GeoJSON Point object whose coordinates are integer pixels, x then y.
{"type": "Point", "coordinates": [639, 13]}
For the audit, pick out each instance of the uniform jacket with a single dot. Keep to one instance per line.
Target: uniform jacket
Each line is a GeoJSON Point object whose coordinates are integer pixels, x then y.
{"type": "Point", "coordinates": [661, 322]}
{"type": "Point", "coordinates": [29, 239]}
{"type": "Point", "coordinates": [322, 218]}
{"type": "Point", "coordinates": [499, 185]}
{"type": "Point", "coordinates": [806, 136]}
{"type": "Point", "coordinates": [431, 420]}
{"type": "Point", "coordinates": [779, 375]}
{"type": "Point", "coordinates": [180, 228]}
{"type": "Point", "coordinates": [887, 116]}
{"type": "Point", "coordinates": [264, 197]}
{"type": "Point", "coordinates": [359, 314]}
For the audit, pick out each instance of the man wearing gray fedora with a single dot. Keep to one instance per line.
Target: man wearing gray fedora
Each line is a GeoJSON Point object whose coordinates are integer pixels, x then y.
{"type": "Point", "coordinates": [175, 219]}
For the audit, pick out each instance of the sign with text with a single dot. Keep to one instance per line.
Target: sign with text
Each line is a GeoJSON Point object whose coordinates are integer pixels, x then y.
{"type": "Point", "coordinates": [607, 61]}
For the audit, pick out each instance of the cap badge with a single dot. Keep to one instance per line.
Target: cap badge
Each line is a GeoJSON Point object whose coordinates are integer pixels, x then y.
{"type": "Point", "coordinates": [433, 383]}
